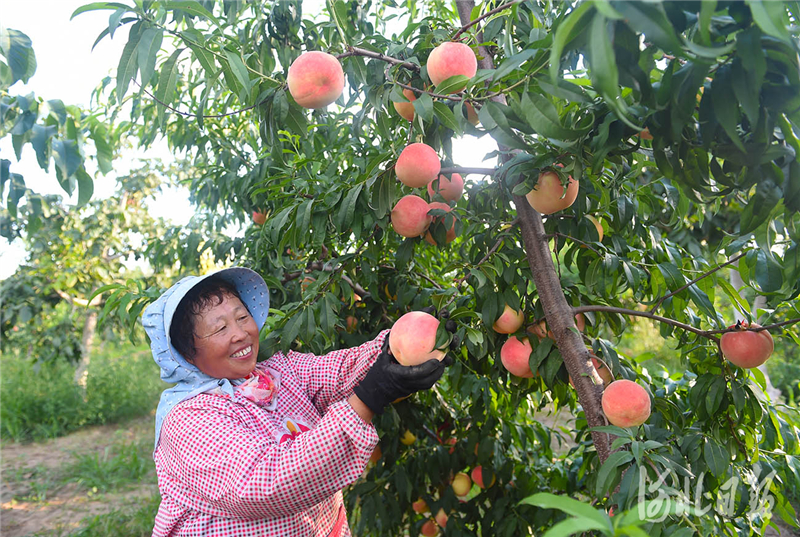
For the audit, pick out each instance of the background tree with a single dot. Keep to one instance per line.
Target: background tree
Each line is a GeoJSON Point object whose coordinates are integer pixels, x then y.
{"type": "Point", "coordinates": [680, 122]}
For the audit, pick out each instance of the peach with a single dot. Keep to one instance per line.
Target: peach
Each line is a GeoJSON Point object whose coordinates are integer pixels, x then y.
{"type": "Point", "coordinates": [420, 506]}
{"type": "Point", "coordinates": [417, 165]}
{"type": "Point", "coordinates": [451, 233]}
{"type": "Point", "coordinates": [451, 59]}
{"type": "Point", "coordinates": [450, 189]}
{"type": "Point", "coordinates": [351, 323]}
{"type": "Point", "coordinates": [315, 79]}
{"type": "Point", "coordinates": [509, 321]}
{"type": "Point", "coordinates": [514, 354]}
{"type": "Point", "coordinates": [408, 438]}
{"type": "Point", "coordinates": [406, 110]}
{"type": "Point", "coordinates": [308, 280]}
{"type": "Point", "coordinates": [548, 196]}
{"type": "Point", "coordinates": [472, 115]}
{"type": "Point", "coordinates": [410, 216]}
{"type": "Point", "coordinates": [477, 477]}
{"type": "Point", "coordinates": [539, 330]}
{"type": "Point", "coordinates": [746, 348]}
{"type": "Point", "coordinates": [625, 403]}
{"type": "Point", "coordinates": [413, 337]}
{"type": "Point", "coordinates": [441, 518]}
{"type": "Point", "coordinates": [602, 370]}
{"type": "Point", "coordinates": [259, 218]}
{"type": "Point", "coordinates": [645, 134]}
{"type": "Point", "coordinates": [461, 484]}
{"type": "Point", "coordinates": [452, 443]}
{"type": "Point", "coordinates": [429, 529]}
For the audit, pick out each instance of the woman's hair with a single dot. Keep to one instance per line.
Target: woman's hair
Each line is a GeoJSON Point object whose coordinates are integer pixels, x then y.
{"type": "Point", "coordinates": [206, 294]}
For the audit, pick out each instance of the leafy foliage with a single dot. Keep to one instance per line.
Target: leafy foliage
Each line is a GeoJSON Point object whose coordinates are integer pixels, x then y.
{"type": "Point", "coordinates": [576, 88]}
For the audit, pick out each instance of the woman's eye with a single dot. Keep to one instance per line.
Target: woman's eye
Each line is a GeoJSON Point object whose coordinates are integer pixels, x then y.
{"type": "Point", "coordinates": [243, 318]}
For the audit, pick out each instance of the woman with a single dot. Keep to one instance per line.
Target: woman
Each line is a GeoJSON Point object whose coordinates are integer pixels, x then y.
{"type": "Point", "coordinates": [260, 449]}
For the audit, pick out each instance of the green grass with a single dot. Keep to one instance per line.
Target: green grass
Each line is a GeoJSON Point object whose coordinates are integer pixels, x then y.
{"type": "Point", "coordinates": [116, 466]}
{"type": "Point", "coordinates": [125, 522]}
{"type": "Point", "coordinates": [39, 401]}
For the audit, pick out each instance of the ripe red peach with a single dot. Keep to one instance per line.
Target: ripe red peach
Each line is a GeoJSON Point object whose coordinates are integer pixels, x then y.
{"type": "Point", "coordinates": [451, 59]}
{"type": "Point", "coordinates": [420, 506]}
{"type": "Point", "coordinates": [548, 195]}
{"type": "Point", "coordinates": [451, 233]}
{"type": "Point", "coordinates": [514, 354]}
{"type": "Point", "coordinates": [406, 110]}
{"type": "Point", "coordinates": [746, 348]}
{"type": "Point", "coordinates": [625, 403]}
{"type": "Point", "coordinates": [413, 338]}
{"type": "Point", "coordinates": [410, 216]}
{"type": "Point", "coordinates": [477, 477]}
{"type": "Point", "coordinates": [441, 518]}
{"type": "Point", "coordinates": [417, 165]}
{"type": "Point", "coordinates": [259, 218]}
{"type": "Point", "coordinates": [602, 370]}
{"type": "Point", "coordinates": [450, 189]}
{"type": "Point", "coordinates": [429, 529]}
{"type": "Point", "coordinates": [509, 321]}
{"type": "Point", "coordinates": [315, 79]}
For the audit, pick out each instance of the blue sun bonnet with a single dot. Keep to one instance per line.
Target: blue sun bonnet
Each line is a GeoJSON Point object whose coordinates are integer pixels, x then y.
{"type": "Point", "coordinates": [157, 319]}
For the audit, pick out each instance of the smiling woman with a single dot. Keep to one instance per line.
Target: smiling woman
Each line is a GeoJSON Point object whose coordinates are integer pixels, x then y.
{"type": "Point", "coordinates": [253, 448]}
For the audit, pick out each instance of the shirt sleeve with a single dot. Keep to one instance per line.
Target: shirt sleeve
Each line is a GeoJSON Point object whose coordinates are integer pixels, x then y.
{"type": "Point", "coordinates": [219, 466]}
{"type": "Point", "coordinates": [333, 376]}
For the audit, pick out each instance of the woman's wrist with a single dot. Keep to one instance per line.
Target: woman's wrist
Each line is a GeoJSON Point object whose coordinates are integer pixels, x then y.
{"type": "Point", "coordinates": [361, 409]}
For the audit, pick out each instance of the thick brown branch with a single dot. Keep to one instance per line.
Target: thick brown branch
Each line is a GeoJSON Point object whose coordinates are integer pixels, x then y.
{"type": "Point", "coordinates": [666, 320]}
{"type": "Point", "coordinates": [710, 272]}
{"type": "Point", "coordinates": [485, 15]}
{"type": "Point", "coordinates": [356, 51]}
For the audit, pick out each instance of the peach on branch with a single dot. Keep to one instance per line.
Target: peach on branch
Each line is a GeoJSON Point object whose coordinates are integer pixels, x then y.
{"type": "Point", "coordinates": [429, 529]}
{"type": "Point", "coordinates": [625, 403]}
{"type": "Point", "coordinates": [413, 338]}
{"type": "Point", "coordinates": [549, 195]}
{"type": "Point", "coordinates": [417, 165]}
{"type": "Point", "coordinates": [602, 370]}
{"type": "Point", "coordinates": [514, 354]}
{"type": "Point", "coordinates": [451, 59]}
{"type": "Point", "coordinates": [472, 115]}
{"type": "Point", "coordinates": [420, 506]}
{"type": "Point", "coordinates": [461, 484]}
{"type": "Point", "coordinates": [441, 518]}
{"type": "Point", "coordinates": [259, 218]}
{"type": "Point", "coordinates": [477, 477]}
{"type": "Point", "coordinates": [451, 233]}
{"type": "Point", "coordinates": [746, 348]}
{"type": "Point", "coordinates": [406, 109]}
{"type": "Point", "coordinates": [509, 321]}
{"type": "Point", "coordinates": [315, 79]}
{"type": "Point", "coordinates": [351, 323]}
{"type": "Point", "coordinates": [450, 189]}
{"type": "Point", "coordinates": [410, 216]}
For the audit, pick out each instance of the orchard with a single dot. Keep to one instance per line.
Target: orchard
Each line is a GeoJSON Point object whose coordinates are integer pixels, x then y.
{"type": "Point", "coordinates": [645, 152]}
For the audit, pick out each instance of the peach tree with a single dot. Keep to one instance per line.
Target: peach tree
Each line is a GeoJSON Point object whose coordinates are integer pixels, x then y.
{"type": "Point", "coordinates": [642, 151]}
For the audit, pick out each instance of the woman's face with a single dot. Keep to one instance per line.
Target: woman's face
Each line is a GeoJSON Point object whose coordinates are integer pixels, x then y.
{"type": "Point", "coordinates": [226, 339]}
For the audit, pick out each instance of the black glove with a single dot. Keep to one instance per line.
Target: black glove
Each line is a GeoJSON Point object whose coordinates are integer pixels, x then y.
{"type": "Point", "coordinates": [449, 325]}
{"type": "Point", "coordinates": [387, 380]}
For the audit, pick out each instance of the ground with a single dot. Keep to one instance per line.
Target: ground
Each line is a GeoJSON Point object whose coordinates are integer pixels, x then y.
{"type": "Point", "coordinates": [37, 499]}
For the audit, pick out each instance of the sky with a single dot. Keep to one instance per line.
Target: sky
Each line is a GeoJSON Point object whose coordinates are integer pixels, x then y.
{"type": "Point", "coordinates": [68, 69]}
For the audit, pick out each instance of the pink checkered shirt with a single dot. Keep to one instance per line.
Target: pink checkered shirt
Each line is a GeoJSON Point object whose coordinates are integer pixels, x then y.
{"type": "Point", "coordinates": [237, 469]}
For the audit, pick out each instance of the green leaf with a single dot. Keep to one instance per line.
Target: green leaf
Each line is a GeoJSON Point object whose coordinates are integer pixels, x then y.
{"type": "Point", "coordinates": [652, 21]}
{"type": "Point", "coordinates": [18, 50]}
{"type": "Point", "coordinates": [149, 45]}
{"type": "Point", "coordinates": [716, 456]}
{"type": "Point", "coordinates": [85, 186]}
{"type": "Point", "coordinates": [423, 105]}
{"type": "Point", "coordinates": [167, 81]}
{"type": "Point", "coordinates": [760, 206]}
{"type": "Point", "coordinates": [571, 526]}
{"type": "Point", "coordinates": [95, 6]}
{"type": "Point", "coordinates": [771, 18]}
{"type": "Point", "coordinates": [567, 30]}
{"type": "Point", "coordinates": [791, 189]}
{"type": "Point", "coordinates": [605, 76]}
{"type": "Point", "coordinates": [609, 472]}
{"type": "Point", "coordinates": [68, 158]}
{"type": "Point", "coordinates": [40, 135]}
{"type": "Point", "coordinates": [128, 62]}
{"type": "Point", "coordinates": [769, 274]}
{"type": "Point", "coordinates": [543, 117]}
{"type": "Point", "coordinates": [192, 8]}
{"type": "Point", "coordinates": [105, 153]}
{"type": "Point", "coordinates": [348, 207]}
{"type": "Point", "coordinates": [726, 108]}
{"type": "Point", "coordinates": [447, 118]}
{"type": "Point", "coordinates": [453, 84]}
{"type": "Point", "coordinates": [746, 91]}
{"type": "Point", "coordinates": [238, 68]}
{"type": "Point", "coordinates": [571, 507]}
{"type": "Point", "coordinates": [672, 275]}
{"type": "Point", "coordinates": [716, 392]}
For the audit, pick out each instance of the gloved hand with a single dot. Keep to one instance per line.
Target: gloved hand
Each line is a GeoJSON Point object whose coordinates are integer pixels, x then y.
{"type": "Point", "coordinates": [387, 380]}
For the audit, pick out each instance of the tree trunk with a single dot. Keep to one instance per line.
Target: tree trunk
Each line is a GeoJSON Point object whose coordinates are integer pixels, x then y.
{"type": "Point", "coordinates": [759, 302]}
{"type": "Point", "coordinates": [559, 315]}
{"type": "Point", "coordinates": [87, 338]}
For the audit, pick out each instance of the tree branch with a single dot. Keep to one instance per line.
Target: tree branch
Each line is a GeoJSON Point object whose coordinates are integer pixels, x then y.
{"type": "Point", "coordinates": [485, 15]}
{"type": "Point", "coordinates": [356, 51]}
{"type": "Point", "coordinates": [666, 320]}
{"type": "Point", "coordinates": [759, 329]}
{"type": "Point", "coordinates": [417, 90]}
{"type": "Point", "coordinates": [689, 284]}
{"type": "Point", "coordinates": [467, 171]}
{"type": "Point", "coordinates": [79, 301]}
